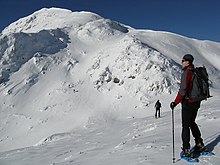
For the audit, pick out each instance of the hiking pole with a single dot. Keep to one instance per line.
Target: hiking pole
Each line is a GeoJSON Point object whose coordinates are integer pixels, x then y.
{"type": "Point", "coordinates": [173, 134]}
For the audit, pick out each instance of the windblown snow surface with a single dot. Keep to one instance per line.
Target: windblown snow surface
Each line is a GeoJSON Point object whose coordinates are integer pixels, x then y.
{"type": "Point", "coordinates": [79, 89]}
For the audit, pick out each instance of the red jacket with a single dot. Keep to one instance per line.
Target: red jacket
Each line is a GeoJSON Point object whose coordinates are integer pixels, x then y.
{"type": "Point", "coordinates": [185, 84]}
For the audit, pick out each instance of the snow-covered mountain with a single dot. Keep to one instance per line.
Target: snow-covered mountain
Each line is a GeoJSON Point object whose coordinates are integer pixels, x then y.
{"type": "Point", "coordinates": [63, 71]}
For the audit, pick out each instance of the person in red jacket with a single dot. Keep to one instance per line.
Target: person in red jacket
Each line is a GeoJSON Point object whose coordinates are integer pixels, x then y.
{"type": "Point", "coordinates": [189, 108]}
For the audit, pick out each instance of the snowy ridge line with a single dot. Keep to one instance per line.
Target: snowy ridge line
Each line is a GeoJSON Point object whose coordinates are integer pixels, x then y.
{"type": "Point", "coordinates": [50, 18]}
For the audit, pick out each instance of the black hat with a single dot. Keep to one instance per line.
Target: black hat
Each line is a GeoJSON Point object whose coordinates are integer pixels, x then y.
{"type": "Point", "coordinates": [188, 57]}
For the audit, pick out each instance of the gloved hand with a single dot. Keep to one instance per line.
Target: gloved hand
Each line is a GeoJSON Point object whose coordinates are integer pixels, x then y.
{"type": "Point", "coordinates": [172, 105]}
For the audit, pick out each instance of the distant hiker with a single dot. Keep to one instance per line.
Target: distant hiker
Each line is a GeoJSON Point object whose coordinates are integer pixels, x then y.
{"type": "Point", "coordinates": [157, 106]}
{"type": "Point", "coordinates": [189, 108]}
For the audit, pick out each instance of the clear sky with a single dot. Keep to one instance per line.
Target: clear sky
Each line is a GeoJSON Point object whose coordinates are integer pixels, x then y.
{"type": "Point", "coordinates": [199, 19]}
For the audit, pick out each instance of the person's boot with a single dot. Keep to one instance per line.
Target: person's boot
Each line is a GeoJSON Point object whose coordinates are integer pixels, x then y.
{"type": "Point", "coordinates": [186, 153]}
{"type": "Point", "coordinates": [200, 147]}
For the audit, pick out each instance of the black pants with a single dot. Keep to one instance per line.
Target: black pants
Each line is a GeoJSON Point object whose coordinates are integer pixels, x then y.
{"type": "Point", "coordinates": [189, 113]}
{"type": "Point", "coordinates": [157, 112]}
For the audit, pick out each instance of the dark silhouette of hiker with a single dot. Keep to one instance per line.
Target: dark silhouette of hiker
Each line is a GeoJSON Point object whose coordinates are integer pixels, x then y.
{"type": "Point", "coordinates": [157, 106]}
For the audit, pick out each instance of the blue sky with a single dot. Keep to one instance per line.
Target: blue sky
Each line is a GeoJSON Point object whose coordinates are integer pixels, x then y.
{"type": "Point", "coordinates": [192, 18]}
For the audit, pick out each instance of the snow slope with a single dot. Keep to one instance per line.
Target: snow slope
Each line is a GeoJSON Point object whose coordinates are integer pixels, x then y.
{"type": "Point", "coordinates": [77, 88]}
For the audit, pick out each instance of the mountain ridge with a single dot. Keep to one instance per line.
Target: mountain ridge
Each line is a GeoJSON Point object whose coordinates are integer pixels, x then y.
{"type": "Point", "coordinates": [59, 74]}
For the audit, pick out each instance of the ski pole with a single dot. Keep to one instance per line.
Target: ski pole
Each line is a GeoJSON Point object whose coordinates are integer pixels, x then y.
{"type": "Point", "coordinates": [173, 135]}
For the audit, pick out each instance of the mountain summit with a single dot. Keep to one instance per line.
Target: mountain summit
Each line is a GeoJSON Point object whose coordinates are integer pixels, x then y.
{"type": "Point", "coordinates": [62, 69]}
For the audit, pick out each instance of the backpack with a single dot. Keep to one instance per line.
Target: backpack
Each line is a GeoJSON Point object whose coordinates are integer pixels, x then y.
{"type": "Point", "coordinates": [199, 89]}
